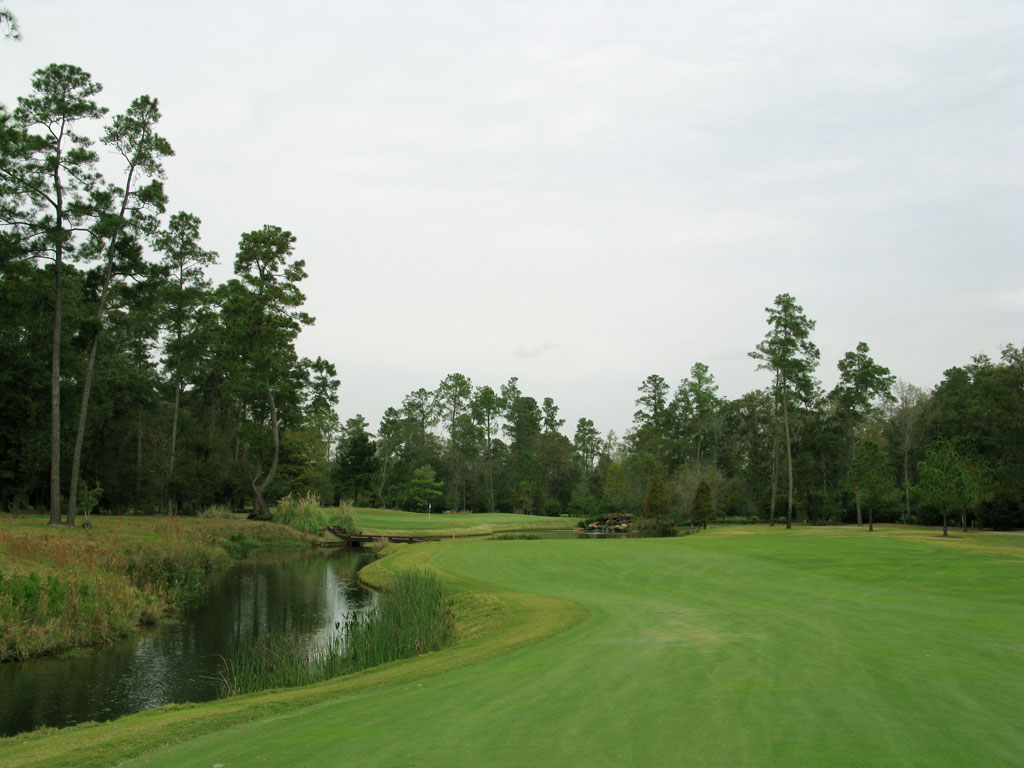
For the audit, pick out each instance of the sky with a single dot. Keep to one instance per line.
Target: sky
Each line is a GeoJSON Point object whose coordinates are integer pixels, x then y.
{"type": "Point", "coordinates": [581, 194]}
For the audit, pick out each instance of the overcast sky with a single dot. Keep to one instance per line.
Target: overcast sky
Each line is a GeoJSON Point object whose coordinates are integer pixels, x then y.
{"type": "Point", "coordinates": [583, 193]}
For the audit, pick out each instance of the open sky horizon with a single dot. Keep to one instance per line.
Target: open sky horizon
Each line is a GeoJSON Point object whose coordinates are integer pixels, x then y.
{"type": "Point", "coordinates": [581, 194]}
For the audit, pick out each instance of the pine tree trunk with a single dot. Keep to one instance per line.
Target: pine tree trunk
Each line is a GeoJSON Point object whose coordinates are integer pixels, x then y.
{"type": "Point", "coordinates": [775, 458]}
{"type": "Point", "coordinates": [55, 388]}
{"type": "Point", "coordinates": [174, 443]}
{"type": "Point", "coordinates": [856, 491]}
{"type": "Point", "coordinates": [789, 460]}
{"type": "Point", "coordinates": [138, 458]}
{"type": "Point", "coordinates": [58, 294]}
{"type": "Point", "coordinates": [906, 485]}
{"type": "Point", "coordinates": [490, 470]}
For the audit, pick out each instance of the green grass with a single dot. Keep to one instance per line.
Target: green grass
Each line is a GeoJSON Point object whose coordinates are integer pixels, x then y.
{"type": "Point", "coordinates": [382, 521]}
{"type": "Point", "coordinates": [742, 647]}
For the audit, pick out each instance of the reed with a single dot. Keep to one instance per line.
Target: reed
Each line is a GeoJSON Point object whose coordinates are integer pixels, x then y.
{"type": "Point", "coordinates": [412, 618]}
{"type": "Point", "coordinates": [306, 514]}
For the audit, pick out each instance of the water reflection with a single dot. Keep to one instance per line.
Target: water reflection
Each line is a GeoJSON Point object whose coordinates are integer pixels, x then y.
{"type": "Point", "coordinates": [307, 592]}
{"type": "Point", "coordinates": [569, 533]}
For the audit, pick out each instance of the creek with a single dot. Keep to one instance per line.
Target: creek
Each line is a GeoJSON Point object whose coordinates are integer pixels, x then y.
{"type": "Point", "coordinates": [308, 592]}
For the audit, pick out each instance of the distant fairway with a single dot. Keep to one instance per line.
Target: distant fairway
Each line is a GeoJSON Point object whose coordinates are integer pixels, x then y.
{"type": "Point", "coordinates": [742, 647]}
{"type": "Point", "coordinates": [375, 521]}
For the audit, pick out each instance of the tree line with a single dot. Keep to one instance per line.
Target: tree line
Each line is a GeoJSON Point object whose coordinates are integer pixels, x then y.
{"type": "Point", "coordinates": [128, 378]}
{"type": "Point", "coordinates": [870, 449]}
{"type": "Point", "coordinates": [131, 381]}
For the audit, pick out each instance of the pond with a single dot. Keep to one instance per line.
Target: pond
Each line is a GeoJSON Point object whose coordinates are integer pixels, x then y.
{"type": "Point", "coordinates": [305, 591]}
{"type": "Point", "coordinates": [548, 533]}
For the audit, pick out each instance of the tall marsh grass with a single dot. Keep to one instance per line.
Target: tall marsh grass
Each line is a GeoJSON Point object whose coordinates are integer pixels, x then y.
{"type": "Point", "coordinates": [306, 514]}
{"type": "Point", "coordinates": [413, 617]}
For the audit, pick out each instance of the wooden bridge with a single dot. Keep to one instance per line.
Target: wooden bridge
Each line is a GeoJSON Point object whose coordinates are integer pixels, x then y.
{"type": "Point", "coordinates": [358, 539]}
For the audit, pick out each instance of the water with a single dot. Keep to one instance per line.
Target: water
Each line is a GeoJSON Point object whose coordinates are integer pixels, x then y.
{"type": "Point", "coordinates": [307, 591]}
{"type": "Point", "coordinates": [558, 534]}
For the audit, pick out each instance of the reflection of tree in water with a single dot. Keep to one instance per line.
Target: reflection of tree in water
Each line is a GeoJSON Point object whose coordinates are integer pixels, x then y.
{"type": "Point", "coordinates": [306, 591]}
{"type": "Point", "coordinates": [305, 596]}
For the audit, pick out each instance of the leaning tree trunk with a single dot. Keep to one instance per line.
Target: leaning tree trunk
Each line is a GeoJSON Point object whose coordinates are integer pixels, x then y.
{"type": "Point", "coordinates": [90, 369]}
{"type": "Point", "coordinates": [91, 364]}
{"type": "Point", "coordinates": [80, 432]}
{"type": "Point", "coordinates": [263, 511]}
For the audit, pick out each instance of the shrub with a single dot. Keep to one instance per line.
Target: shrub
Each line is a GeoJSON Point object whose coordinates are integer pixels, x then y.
{"type": "Point", "coordinates": [216, 512]}
{"type": "Point", "coordinates": [552, 508]}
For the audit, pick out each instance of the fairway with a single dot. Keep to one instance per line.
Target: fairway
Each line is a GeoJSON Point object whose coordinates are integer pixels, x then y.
{"type": "Point", "coordinates": [738, 647]}
{"type": "Point", "coordinates": [730, 649]}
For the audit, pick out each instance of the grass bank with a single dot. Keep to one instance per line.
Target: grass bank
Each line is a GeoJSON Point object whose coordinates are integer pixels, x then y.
{"type": "Point", "coordinates": [66, 588]}
{"type": "Point", "coordinates": [739, 647]}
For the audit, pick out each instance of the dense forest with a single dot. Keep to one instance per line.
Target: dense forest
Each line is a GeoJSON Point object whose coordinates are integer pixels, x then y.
{"type": "Point", "coordinates": [871, 449]}
{"type": "Point", "coordinates": [129, 381]}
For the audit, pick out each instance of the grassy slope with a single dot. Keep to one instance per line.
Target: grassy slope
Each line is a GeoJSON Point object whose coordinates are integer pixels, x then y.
{"type": "Point", "coordinates": [379, 521]}
{"type": "Point", "coordinates": [119, 572]}
{"type": "Point", "coordinates": [735, 648]}
{"type": "Point", "coordinates": [490, 623]}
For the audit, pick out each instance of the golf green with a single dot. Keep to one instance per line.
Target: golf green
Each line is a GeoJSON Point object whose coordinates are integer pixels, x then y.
{"type": "Point", "coordinates": [766, 648]}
